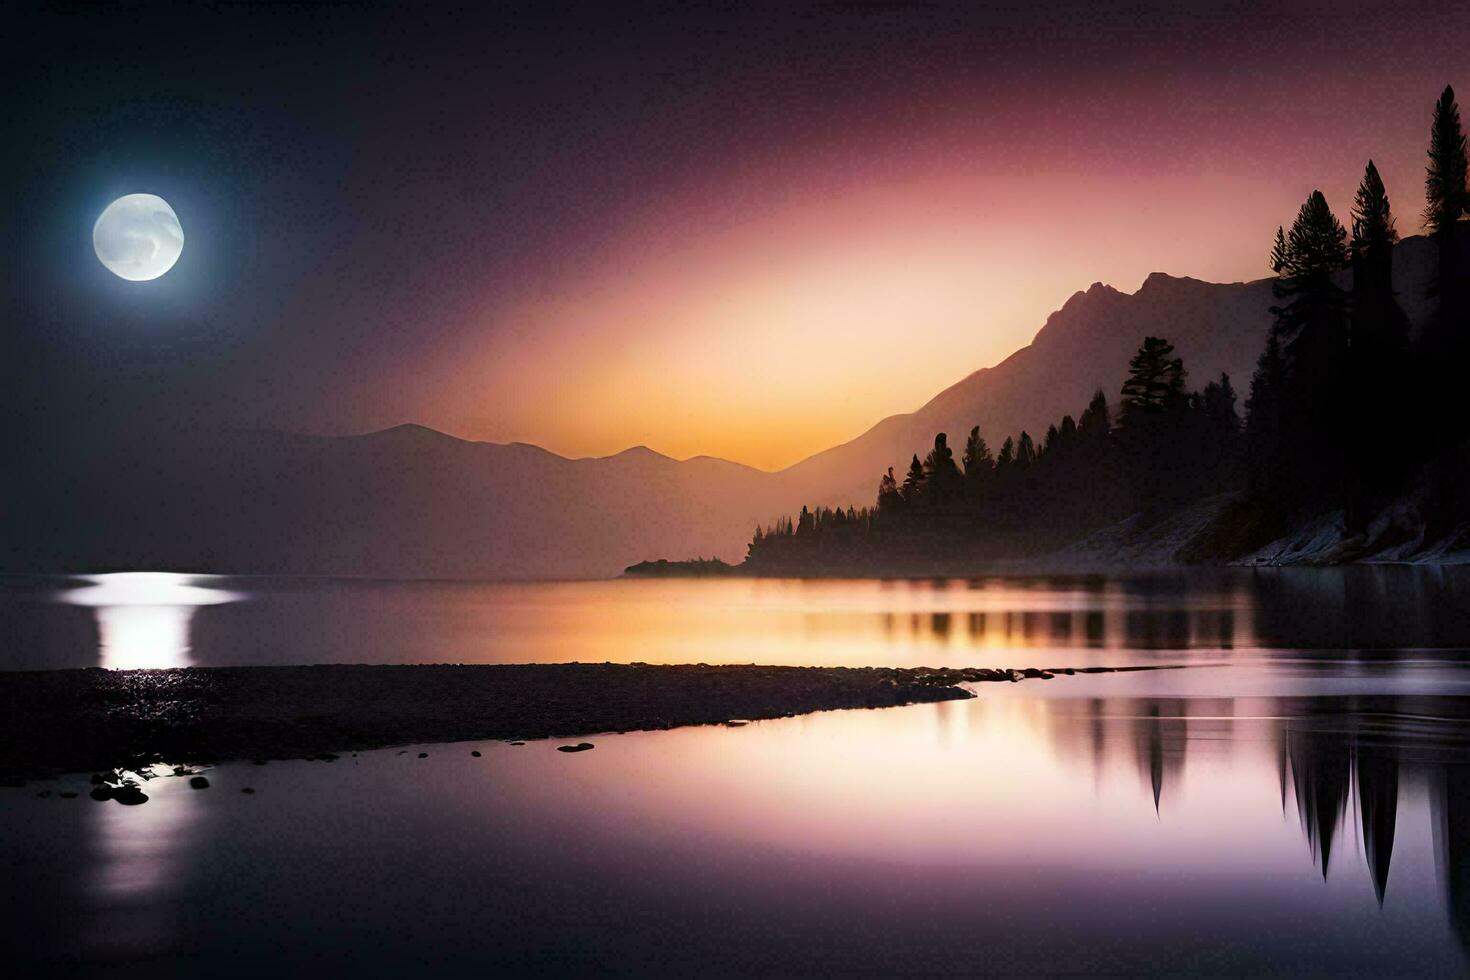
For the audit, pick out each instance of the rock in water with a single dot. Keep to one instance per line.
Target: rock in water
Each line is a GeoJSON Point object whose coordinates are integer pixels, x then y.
{"type": "Point", "coordinates": [199, 782]}
{"type": "Point", "coordinates": [129, 796]}
{"type": "Point", "coordinates": [101, 793]}
{"type": "Point", "coordinates": [475, 753]}
{"type": "Point", "coordinates": [579, 747]}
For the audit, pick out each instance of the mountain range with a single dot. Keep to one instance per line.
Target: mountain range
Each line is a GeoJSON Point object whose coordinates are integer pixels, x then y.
{"type": "Point", "coordinates": [413, 502]}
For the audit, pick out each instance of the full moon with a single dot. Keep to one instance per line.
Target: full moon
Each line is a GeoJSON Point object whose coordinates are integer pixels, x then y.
{"type": "Point", "coordinates": [138, 237]}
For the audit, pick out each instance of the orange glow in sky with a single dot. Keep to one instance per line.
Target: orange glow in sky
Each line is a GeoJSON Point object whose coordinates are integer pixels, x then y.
{"type": "Point", "coordinates": [765, 336]}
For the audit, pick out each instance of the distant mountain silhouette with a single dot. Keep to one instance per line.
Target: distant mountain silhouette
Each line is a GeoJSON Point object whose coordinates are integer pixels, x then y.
{"type": "Point", "coordinates": [413, 502]}
{"type": "Point", "coordinates": [404, 502]}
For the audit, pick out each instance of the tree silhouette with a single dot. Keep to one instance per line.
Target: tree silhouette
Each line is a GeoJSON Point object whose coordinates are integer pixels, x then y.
{"type": "Point", "coordinates": [890, 500]}
{"type": "Point", "coordinates": [943, 482]}
{"type": "Point", "coordinates": [1025, 452]}
{"type": "Point", "coordinates": [978, 463]}
{"type": "Point", "coordinates": [1265, 425]}
{"type": "Point", "coordinates": [1155, 379]}
{"type": "Point", "coordinates": [1445, 195]}
{"type": "Point", "coordinates": [1331, 398]}
{"type": "Point", "coordinates": [913, 484]}
{"type": "Point", "coordinates": [1152, 424]}
{"type": "Point", "coordinates": [1221, 428]}
{"type": "Point", "coordinates": [1379, 357]}
{"type": "Point", "coordinates": [1007, 457]}
{"type": "Point", "coordinates": [1311, 327]}
{"type": "Point", "coordinates": [1097, 422]}
{"type": "Point", "coordinates": [1447, 337]}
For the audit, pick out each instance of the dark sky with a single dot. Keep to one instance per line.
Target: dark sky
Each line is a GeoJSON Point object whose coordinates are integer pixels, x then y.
{"type": "Point", "coordinates": [499, 219]}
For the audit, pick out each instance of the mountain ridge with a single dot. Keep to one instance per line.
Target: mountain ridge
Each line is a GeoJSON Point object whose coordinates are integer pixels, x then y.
{"type": "Point", "coordinates": [411, 501]}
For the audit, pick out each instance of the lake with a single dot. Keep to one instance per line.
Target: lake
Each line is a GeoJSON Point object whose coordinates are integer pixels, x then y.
{"type": "Point", "coordinates": [1298, 801]}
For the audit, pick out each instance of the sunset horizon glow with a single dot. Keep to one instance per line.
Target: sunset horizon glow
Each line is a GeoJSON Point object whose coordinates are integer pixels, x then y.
{"type": "Point", "coordinates": [751, 240]}
{"type": "Point", "coordinates": [797, 330]}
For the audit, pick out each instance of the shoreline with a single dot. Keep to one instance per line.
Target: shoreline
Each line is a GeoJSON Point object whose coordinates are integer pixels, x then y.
{"type": "Point", "coordinates": [60, 721]}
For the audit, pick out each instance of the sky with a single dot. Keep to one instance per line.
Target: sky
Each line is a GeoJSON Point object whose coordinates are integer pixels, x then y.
{"type": "Point", "coordinates": [746, 230]}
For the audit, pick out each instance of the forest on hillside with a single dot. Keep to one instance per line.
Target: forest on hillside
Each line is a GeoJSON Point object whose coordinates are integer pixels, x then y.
{"type": "Point", "coordinates": [1345, 414]}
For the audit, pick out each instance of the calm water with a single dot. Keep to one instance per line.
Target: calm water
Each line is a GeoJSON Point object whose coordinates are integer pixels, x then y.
{"type": "Point", "coordinates": [1300, 803]}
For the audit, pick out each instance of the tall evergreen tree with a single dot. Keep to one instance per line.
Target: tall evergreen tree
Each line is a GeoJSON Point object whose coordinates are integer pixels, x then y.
{"type": "Point", "coordinates": [1447, 337]}
{"type": "Point", "coordinates": [1052, 440]}
{"type": "Point", "coordinates": [1006, 461]}
{"type": "Point", "coordinates": [1265, 425]}
{"type": "Point", "coordinates": [913, 483]}
{"type": "Point", "coordinates": [1216, 434]}
{"type": "Point", "coordinates": [1151, 428]}
{"type": "Point", "coordinates": [1380, 387]}
{"type": "Point", "coordinates": [1311, 328]}
{"type": "Point", "coordinates": [890, 501]}
{"type": "Point", "coordinates": [978, 464]}
{"type": "Point", "coordinates": [1025, 452]}
{"type": "Point", "coordinates": [1155, 379]}
{"type": "Point", "coordinates": [1097, 421]}
{"type": "Point", "coordinates": [943, 482]}
{"type": "Point", "coordinates": [1445, 192]}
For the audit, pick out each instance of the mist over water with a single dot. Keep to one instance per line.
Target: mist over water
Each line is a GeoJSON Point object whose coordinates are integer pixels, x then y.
{"type": "Point", "coordinates": [1297, 801]}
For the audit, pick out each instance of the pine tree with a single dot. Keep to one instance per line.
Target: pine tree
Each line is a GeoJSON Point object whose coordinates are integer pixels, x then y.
{"type": "Point", "coordinates": [979, 466]}
{"type": "Point", "coordinates": [1447, 336]}
{"type": "Point", "coordinates": [1217, 437]}
{"type": "Point", "coordinates": [1445, 195]}
{"type": "Point", "coordinates": [943, 482]}
{"type": "Point", "coordinates": [1265, 442]}
{"type": "Point", "coordinates": [977, 460]}
{"type": "Point", "coordinates": [1311, 327]}
{"type": "Point", "coordinates": [1052, 439]}
{"type": "Point", "coordinates": [1219, 406]}
{"type": "Point", "coordinates": [913, 483]}
{"type": "Point", "coordinates": [1153, 432]}
{"type": "Point", "coordinates": [1005, 462]}
{"type": "Point", "coordinates": [890, 501]}
{"type": "Point", "coordinates": [1379, 370]}
{"type": "Point", "coordinates": [1155, 379]}
{"type": "Point", "coordinates": [1025, 452]}
{"type": "Point", "coordinates": [1096, 423]}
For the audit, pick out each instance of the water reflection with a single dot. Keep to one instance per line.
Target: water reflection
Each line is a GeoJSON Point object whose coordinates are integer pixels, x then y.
{"type": "Point", "coordinates": [1051, 831]}
{"type": "Point", "coordinates": [1368, 614]}
{"type": "Point", "coordinates": [1331, 756]}
{"type": "Point", "coordinates": [143, 617]}
{"type": "Point", "coordinates": [142, 858]}
{"type": "Point", "coordinates": [1451, 800]}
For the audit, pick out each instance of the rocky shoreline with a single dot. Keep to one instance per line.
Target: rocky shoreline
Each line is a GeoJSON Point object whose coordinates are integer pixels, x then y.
{"type": "Point", "coordinates": [59, 721]}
